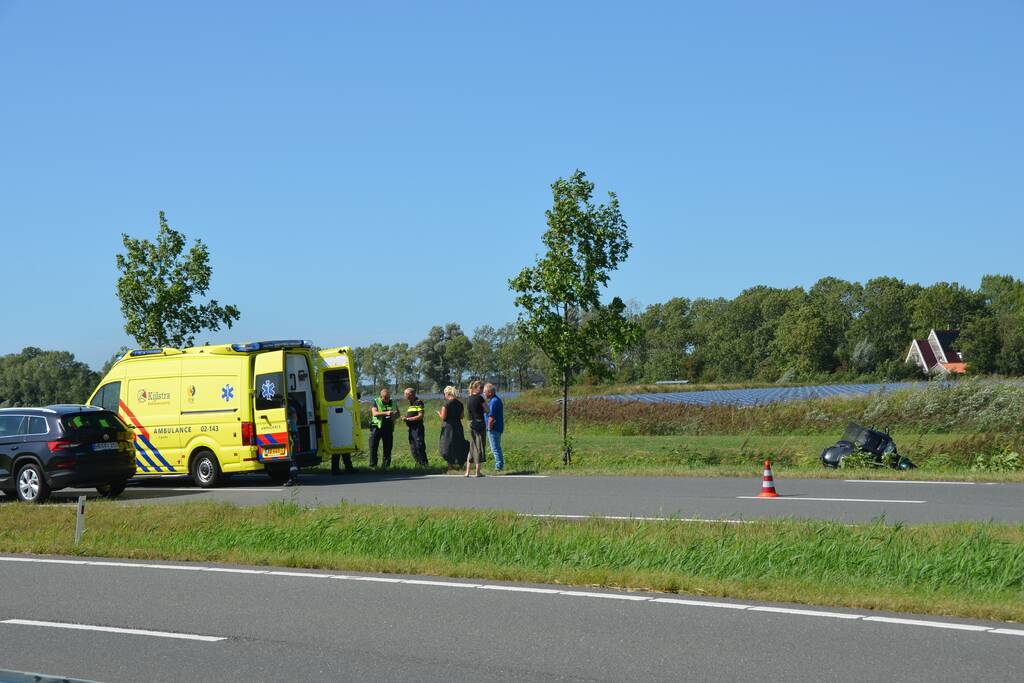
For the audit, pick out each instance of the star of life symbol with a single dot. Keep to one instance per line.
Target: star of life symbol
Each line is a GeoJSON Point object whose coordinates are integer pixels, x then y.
{"type": "Point", "coordinates": [228, 392]}
{"type": "Point", "coordinates": [267, 390]}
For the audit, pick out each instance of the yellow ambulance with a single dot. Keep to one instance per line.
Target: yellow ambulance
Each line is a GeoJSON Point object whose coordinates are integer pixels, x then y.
{"type": "Point", "coordinates": [213, 411]}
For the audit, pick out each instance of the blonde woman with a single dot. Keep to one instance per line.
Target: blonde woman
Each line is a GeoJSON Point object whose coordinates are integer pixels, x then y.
{"type": "Point", "coordinates": [453, 437]}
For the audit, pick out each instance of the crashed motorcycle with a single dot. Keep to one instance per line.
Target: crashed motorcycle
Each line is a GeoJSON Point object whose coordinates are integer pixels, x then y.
{"type": "Point", "coordinates": [877, 445]}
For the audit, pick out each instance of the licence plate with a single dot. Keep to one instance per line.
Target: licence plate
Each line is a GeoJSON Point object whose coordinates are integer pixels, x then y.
{"type": "Point", "coordinates": [105, 446]}
{"type": "Point", "coordinates": [273, 451]}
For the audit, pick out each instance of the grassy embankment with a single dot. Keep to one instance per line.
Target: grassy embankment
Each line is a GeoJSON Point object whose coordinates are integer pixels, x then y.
{"type": "Point", "coordinates": [967, 431]}
{"type": "Point", "coordinates": [967, 570]}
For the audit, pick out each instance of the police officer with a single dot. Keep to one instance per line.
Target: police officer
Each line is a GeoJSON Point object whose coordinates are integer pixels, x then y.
{"type": "Point", "coordinates": [413, 419]}
{"type": "Point", "coordinates": [382, 427]}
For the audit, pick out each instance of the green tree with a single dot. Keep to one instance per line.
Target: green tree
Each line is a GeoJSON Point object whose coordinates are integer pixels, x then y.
{"type": "Point", "coordinates": [36, 377]}
{"type": "Point", "coordinates": [483, 356]}
{"type": "Point", "coordinates": [158, 286]}
{"type": "Point", "coordinates": [514, 354]}
{"type": "Point", "coordinates": [560, 296]}
{"type": "Point", "coordinates": [944, 306]}
{"type": "Point", "coordinates": [401, 366]}
{"type": "Point", "coordinates": [980, 342]}
{"type": "Point", "coordinates": [885, 322]}
{"type": "Point", "coordinates": [457, 355]}
{"type": "Point", "coordinates": [804, 342]}
{"type": "Point", "coordinates": [667, 341]}
{"type": "Point", "coordinates": [373, 363]}
{"type": "Point", "coordinates": [437, 361]}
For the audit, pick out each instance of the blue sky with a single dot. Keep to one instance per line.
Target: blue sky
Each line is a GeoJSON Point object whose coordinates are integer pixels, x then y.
{"type": "Point", "coordinates": [362, 171]}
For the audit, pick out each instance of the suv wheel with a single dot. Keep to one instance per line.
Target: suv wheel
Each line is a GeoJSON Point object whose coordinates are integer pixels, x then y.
{"type": "Point", "coordinates": [31, 486]}
{"type": "Point", "coordinates": [112, 489]}
{"type": "Point", "coordinates": [206, 470]}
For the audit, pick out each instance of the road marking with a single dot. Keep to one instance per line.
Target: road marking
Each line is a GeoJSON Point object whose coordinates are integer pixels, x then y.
{"type": "Point", "coordinates": [933, 624]}
{"type": "Point", "coordinates": [626, 518]}
{"type": "Point", "coordinates": [835, 500]}
{"type": "Point", "coordinates": [114, 629]}
{"type": "Point", "coordinates": [486, 476]}
{"type": "Point", "coordinates": [909, 481]}
{"type": "Point", "coordinates": [702, 603]}
{"type": "Point", "coordinates": [196, 489]}
{"type": "Point", "coordinates": [458, 585]}
{"type": "Point", "coordinates": [806, 612]}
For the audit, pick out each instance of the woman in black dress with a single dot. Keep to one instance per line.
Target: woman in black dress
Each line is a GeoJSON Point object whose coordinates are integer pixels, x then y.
{"type": "Point", "coordinates": [453, 438]}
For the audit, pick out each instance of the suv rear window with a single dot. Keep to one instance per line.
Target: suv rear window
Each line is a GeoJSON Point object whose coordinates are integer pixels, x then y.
{"type": "Point", "coordinates": [93, 421]}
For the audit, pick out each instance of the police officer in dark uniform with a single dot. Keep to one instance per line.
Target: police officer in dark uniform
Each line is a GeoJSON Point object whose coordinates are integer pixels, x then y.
{"type": "Point", "coordinates": [413, 419]}
{"type": "Point", "coordinates": [382, 427]}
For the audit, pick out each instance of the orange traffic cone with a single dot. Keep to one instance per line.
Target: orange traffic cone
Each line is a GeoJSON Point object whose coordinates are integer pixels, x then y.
{"type": "Point", "coordinates": [767, 483]}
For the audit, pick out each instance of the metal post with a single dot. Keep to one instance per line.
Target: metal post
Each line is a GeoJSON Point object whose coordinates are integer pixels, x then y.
{"type": "Point", "coordinates": [80, 520]}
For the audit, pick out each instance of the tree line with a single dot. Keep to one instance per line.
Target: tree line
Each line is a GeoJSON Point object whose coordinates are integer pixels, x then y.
{"type": "Point", "coordinates": [836, 330]}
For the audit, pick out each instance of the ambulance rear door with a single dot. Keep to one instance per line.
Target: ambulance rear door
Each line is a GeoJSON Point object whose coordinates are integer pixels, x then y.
{"type": "Point", "coordinates": [339, 407]}
{"type": "Point", "coordinates": [269, 406]}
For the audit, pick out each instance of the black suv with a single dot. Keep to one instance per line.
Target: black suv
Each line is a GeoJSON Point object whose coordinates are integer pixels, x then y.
{"type": "Point", "coordinates": [46, 449]}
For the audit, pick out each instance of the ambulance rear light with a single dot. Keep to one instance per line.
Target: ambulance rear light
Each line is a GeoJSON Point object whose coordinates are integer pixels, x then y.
{"type": "Point", "coordinates": [248, 433]}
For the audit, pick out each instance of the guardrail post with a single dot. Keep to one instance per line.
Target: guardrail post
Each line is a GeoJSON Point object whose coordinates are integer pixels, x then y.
{"type": "Point", "coordinates": [80, 520]}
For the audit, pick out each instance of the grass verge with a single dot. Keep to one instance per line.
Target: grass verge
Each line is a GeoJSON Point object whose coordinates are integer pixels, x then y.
{"type": "Point", "coordinates": [967, 569]}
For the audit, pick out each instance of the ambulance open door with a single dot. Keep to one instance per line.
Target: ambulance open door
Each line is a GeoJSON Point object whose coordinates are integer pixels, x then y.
{"type": "Point", "coordinates": [339, 405]}
{"type": "Point", "coordinates": [270, 406]}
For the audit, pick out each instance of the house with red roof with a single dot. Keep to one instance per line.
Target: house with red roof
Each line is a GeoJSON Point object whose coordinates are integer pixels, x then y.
{"type": "Point", "coordinates": [935, 355]}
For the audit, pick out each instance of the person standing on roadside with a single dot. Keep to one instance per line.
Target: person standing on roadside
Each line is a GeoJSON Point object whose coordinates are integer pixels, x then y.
{"type": "Point", "coordinates": [382, 427]}
{"type": "Point", "coordinates": [413, 419]}
{"type": "Point", "coordinates": [476, 407]}
{"type": "Point", "coordinates": [293, 446]}
{"type": "Point", "coordinates": [495, 425]}
{"type": "Point", "coordinates": [453, 438]}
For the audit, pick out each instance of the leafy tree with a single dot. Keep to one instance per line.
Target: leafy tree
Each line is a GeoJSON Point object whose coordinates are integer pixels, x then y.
{"type": "Point", "coordinates": [373, 363]}
{"type": "Point", "coordinates": [804, 341]}
{"type": "Point", "coordinates": [560, 296]}
{"type": "Point", "coordinates": [483, 355]}
{"type": "Point", "coordinates": [1002, 294]}
{"type": "Point", "coordinates": [457, 355]}
{"type": "Point", "coordinates": [1011, 355]}
{"type": "Point", "coordinates": [980, 342]}
{"type": "Point", "coordinates": [944, 306]}
{"type": "Point", "coordinates": [37, 378]}
{"type": "Point", "coordinates": [437, 361]}
{"type": "Point", "coordinates": [514, 354]}
{"type": "Point", "coordinates": [158, 286]}
{"type": "Point", "coordinates": [401, 365]}
{"type": "Point", "coordinates": [885, 322]}
{"type": "Point", "coordinates": [838, 303]}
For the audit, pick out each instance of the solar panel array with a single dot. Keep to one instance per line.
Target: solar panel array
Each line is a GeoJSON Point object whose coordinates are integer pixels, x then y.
{"type": "Point", "coordinates": [764, 395]}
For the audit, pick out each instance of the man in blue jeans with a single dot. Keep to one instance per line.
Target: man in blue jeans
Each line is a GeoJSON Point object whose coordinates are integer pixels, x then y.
{"type": "Point", "coordinates": [495, 425]}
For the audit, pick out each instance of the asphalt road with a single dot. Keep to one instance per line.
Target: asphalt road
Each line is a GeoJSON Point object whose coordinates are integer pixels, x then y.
{"type": "Point", "coordinates": [685, 497]}
{"type": "Point", "coordinates": [211, 622]}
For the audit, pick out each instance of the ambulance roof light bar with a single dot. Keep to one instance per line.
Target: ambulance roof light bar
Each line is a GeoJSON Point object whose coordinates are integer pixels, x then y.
{"type": "Point", "coordinates": [145, 352]}
{"type": "Point", "coordinates": [272, 345]}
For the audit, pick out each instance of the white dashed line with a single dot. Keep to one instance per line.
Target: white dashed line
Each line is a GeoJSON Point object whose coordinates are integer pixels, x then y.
{"type": "Point", "coordinates": [625, 518]}
{"type": "Point", "coordinates": [909, 481]}
{"type": "Point", "coordinates": [458, 585]}
{"type": "Point", "coordinates": [834, 500]}
{"type": "Point", "coordinates": [114, 629]}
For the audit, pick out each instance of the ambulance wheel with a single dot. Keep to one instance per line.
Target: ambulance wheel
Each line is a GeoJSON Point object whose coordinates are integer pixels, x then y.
{"type": "Point", "coordinates": [206, 470]}
{"type": "Point", "coordinates": [112, 489]}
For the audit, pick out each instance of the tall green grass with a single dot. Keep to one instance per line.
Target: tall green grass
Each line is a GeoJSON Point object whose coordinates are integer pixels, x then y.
{"type": "Point", "coordinates": [969, 569]}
